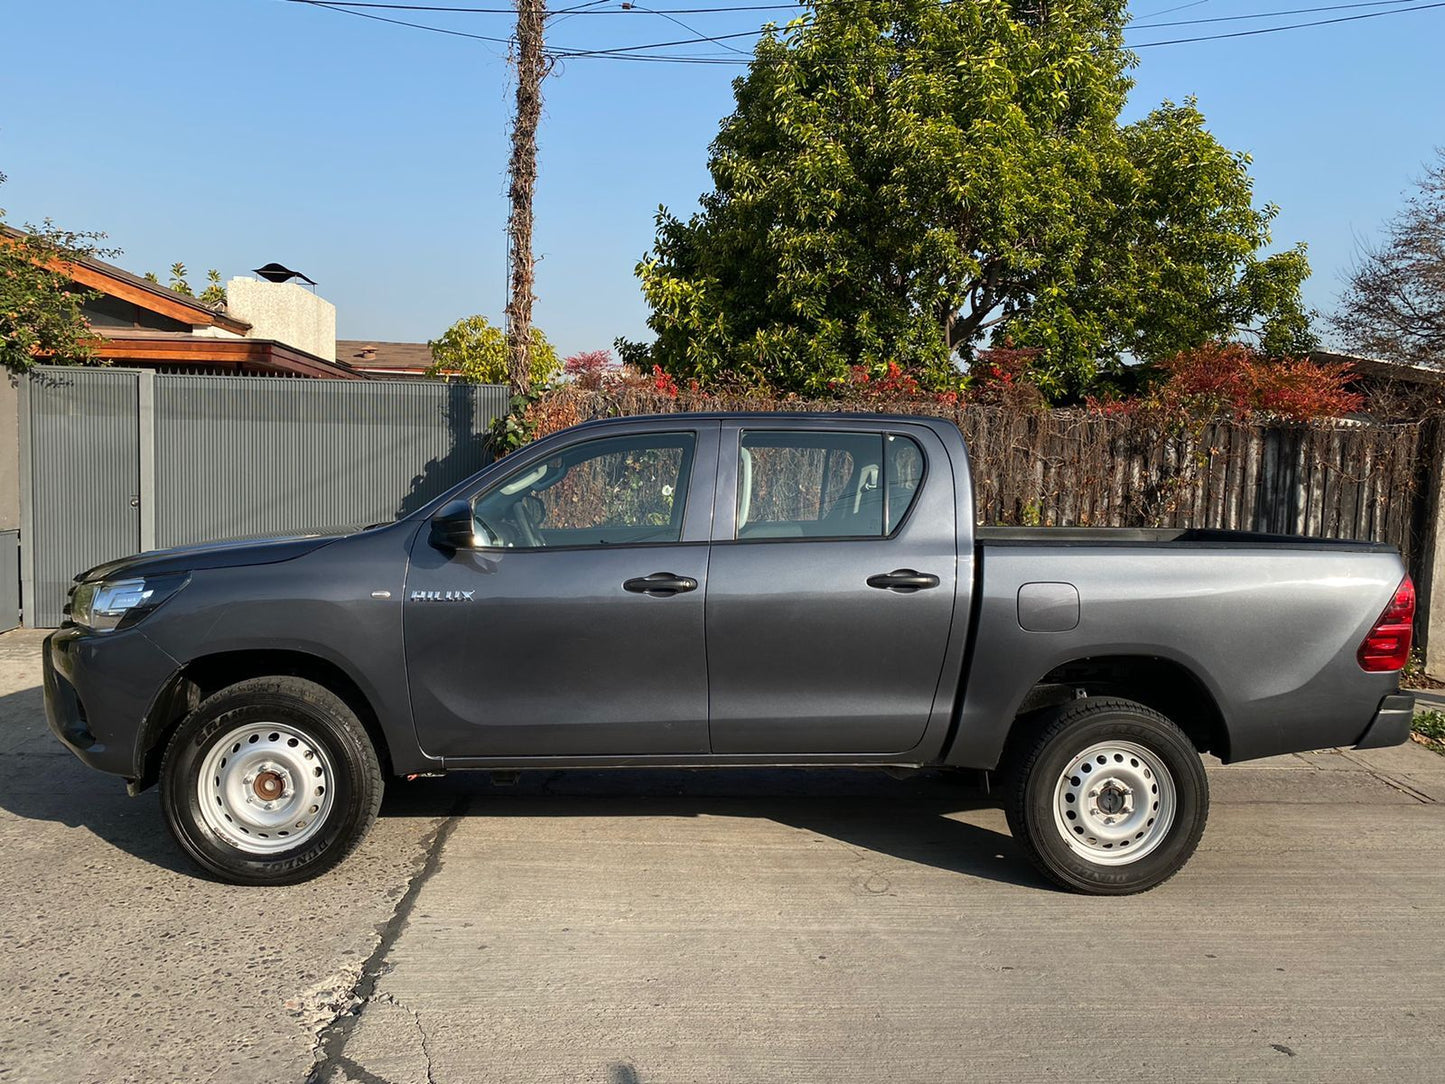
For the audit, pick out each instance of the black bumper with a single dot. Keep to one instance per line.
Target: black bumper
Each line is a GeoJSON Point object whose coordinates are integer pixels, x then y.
{"type": "Point", "coordinates": [99, 688]}
{"type": "Point", "coordinates": [1391, 724]}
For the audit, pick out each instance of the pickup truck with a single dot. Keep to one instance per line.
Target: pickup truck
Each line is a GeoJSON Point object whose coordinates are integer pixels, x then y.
{"type": "Point", "coordinates": [726, 590]}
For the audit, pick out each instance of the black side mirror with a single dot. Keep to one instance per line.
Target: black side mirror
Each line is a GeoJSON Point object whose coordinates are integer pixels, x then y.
{"type": "Point", "coordinates": [451, 526]}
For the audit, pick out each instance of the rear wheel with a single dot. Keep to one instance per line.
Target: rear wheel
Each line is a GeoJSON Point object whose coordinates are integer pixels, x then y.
{"type": "Point", "coordinates": [1107, 796]}
{"type": "Point", "coordinates": [270, 781]}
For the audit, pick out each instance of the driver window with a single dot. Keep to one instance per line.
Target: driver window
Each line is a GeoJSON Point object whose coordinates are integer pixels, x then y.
{"type": "Point", "coordinates": [616, 491]}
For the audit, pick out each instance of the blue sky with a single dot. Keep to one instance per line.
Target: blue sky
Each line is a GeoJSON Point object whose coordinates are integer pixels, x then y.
{"type": "Point", "coordinates": [228, 133]}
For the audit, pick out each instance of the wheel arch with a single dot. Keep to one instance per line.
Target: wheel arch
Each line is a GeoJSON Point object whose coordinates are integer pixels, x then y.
{"type": "Point", "coordinates": [1167, 686]}
{"type": "Point", "coordinates": [208, 674]}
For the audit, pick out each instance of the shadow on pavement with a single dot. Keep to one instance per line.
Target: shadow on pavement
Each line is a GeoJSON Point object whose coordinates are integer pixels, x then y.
{"type": "Point", "coordinates": [905, 818]}
{"type": "Point", "coordinates": [41, 781]}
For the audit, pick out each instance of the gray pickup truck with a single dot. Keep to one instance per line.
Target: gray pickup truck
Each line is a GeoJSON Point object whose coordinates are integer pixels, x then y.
{"type": "Point", "coordinates": [726, 590]}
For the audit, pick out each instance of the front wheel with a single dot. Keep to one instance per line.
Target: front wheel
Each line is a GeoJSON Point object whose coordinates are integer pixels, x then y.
{"type": "Point", "coordinates": [270, 781]}
{"type": "Point", "coordinates": [1107, 796]}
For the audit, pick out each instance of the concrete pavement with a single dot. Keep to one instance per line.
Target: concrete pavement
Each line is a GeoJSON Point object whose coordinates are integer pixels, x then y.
{"type": "Point", "coordinates": [722, 926]}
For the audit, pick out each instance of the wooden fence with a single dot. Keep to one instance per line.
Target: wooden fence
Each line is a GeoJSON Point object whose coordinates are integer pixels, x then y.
{"type": "Point", "coordinates": [1081, 468]}
{"type": "Point", "coordinates": [1066, 468]}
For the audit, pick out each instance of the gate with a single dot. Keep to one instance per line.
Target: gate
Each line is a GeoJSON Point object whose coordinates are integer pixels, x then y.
{"type": "Point", "coordinates": [81, 453]}
{"type": "Point", "coordinates": [118, 461]}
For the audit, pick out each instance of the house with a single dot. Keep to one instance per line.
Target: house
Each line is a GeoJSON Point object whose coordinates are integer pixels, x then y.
{"type": "Point", "coordinates": [390, 361]}
{"type": "Point", "coordinates": [1393, 391]}
{"type": "Point", "coordinates": [263, 328]}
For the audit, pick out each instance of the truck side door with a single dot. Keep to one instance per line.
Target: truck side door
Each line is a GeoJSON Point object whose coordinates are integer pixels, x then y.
{"type": "Point", "coordinates": [574, 625]}
{"type": "Point", "coordinates": [831, 588]}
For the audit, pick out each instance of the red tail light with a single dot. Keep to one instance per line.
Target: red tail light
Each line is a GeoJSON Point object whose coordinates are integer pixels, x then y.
{"type": "Point", "coordinates": [1387, 647]}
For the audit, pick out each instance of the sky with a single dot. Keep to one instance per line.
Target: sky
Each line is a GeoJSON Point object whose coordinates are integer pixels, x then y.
{"type": "Point", "coordinates": [372, 157]}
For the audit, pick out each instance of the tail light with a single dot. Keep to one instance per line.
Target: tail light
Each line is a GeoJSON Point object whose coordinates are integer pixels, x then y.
{"type": "Point", "coordinates": [1387, 647]}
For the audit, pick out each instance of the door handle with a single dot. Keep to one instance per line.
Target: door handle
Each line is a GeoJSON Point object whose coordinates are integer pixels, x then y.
{"type": "Point", "coordinates": [660, 585]}
{"type": "Point", "coordinates": [903, 579]}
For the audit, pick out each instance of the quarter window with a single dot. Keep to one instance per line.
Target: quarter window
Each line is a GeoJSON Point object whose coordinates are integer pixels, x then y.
{"type": "Point", "coordinates": [825, 485]}
{"type": "Point", "coordinates": [617, 491]}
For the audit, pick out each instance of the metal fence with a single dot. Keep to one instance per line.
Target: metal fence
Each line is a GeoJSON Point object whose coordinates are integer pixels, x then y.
{"type": "Point", "coordinates": [119, 461]}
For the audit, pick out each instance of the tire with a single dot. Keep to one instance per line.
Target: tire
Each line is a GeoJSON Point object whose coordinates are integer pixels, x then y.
{"type": "Point", "coordinates": [270, 781]}
{"type": "Point", "coordinates": [1095, 777]}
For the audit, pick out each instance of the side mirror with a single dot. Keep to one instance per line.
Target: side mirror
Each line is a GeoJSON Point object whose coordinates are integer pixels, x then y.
{"type": "Point", "coordinates": [451, 526]}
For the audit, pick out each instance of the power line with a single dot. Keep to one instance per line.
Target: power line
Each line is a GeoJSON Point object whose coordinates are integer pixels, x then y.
{"type": "Point", "coordinates": [622, 53]}
{"type": "Point", "coordinates": [449, 9]}
{"type": "Point", "coordinates": [628, 5]}
{"type": "Point", "coordinates": [1291, 26]}
{"type": "Point", "coordinates": [400, 22]}
{"type": "Point", "coordinates": [1267, 14]}
{"type": "Point", "coordinates": [639, 53]}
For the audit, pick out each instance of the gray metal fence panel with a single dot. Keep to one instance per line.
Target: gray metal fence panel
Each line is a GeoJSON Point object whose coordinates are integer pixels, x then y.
{"type": "Point", "coordinates": [239, 457]}
{"type": "Point", "coordinates": [84, 486]}
{"type": "Point", "coordinates": [9, 580]}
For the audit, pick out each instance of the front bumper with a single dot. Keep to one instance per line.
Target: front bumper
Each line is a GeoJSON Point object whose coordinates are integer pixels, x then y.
{"type": "Point", "coordinates": [1391, 724]}
{"type": "Point", "coordinates": [99, 688]}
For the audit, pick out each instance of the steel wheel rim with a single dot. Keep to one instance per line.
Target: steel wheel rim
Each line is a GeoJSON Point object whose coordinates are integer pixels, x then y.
{"type": "Point", "coordinates": [1115, 803]}
{"type": "Point", "coordinates": [265, 787]}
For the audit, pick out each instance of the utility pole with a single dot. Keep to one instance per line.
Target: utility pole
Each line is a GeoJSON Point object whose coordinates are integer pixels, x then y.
{"type": "Point", "coordinates": [532, 65]}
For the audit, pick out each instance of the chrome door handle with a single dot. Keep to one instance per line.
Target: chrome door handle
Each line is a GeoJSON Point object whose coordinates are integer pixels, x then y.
{"type": "Point", "coordinates": [904, 580]}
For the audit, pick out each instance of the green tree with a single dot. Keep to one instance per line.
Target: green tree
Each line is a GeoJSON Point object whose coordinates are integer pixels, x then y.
{"type": "Point", "coordinates": [475, 351]}
{"type": "Point", "coordinates": [903, 179]}
{"type": "Point", "coordinates": [41, 317]}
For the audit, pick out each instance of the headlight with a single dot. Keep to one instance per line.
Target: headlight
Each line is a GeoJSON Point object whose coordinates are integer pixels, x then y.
{"type": "Point", "coordinates": [118, 604]}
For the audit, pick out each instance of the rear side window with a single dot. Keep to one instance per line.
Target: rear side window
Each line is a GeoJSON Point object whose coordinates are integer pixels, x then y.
{"type": "Point", "coordinates": [825, 485]}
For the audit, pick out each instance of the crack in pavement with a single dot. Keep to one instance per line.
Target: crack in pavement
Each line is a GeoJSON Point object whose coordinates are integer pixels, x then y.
{"type": "Point", "coordinates": [331, 1039]}
{"type": "Point", "coordinates": [392, 999]}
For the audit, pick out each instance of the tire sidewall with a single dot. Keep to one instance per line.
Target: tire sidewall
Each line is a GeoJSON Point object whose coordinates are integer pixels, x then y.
{"type": "Point", "coordinates": [1191, 787]}
{"type": "Point", "coordinates": [181, 800]}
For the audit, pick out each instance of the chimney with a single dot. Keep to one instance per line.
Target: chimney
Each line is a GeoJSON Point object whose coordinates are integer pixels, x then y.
{"type": "Point", "coordinates": [285, 312]}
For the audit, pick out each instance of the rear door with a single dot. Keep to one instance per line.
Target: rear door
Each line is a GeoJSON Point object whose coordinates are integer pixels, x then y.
{"type": "Point", "coordinates": [831, 586]}
{"type": "Point", "coordinates": [575, 626]}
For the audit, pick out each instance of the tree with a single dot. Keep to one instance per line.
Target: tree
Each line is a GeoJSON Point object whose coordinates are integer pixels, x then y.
{"type": "Point", "coordinates": [41, 316]}
{"type": "Point", "coordinates": [532, 67]}
{"type": "Point", "coordinates": [1394, 305]}
{"type": "Point", "coordinates": [213, 294]}
{"type": "Point", "coordinates": [906, 180]}
{"type": "Point", "coordinates": [475, 351]}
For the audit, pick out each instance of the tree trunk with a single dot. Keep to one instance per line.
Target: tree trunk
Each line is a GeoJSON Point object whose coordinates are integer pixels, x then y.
{"type": "Point", "coordinates": [522, 171]}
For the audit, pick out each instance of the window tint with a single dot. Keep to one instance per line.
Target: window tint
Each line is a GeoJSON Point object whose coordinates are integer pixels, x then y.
{"type": "Point", "coordinates": [825, 485]}
{"type": "Point", "coordinates": [617, 491]}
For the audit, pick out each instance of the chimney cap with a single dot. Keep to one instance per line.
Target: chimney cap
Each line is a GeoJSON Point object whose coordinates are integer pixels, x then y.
{"type": "Point", "coordinates": [275, 272]}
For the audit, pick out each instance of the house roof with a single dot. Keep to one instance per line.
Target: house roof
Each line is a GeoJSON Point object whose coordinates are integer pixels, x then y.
{"type": "Point", "coordinates": [179, 349]}
{"type": "Point", "coordinates": [1402, 372]}
{"type": "Point", "coordinates": [371, 356]}
{"type": "Point", "coordinates": [152, 296]}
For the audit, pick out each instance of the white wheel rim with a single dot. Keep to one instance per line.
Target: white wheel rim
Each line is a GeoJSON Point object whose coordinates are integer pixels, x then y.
{"type": "Point", "coordinates": [1114, 803]}
{"type": "Point", "coordinates": [265, 787]}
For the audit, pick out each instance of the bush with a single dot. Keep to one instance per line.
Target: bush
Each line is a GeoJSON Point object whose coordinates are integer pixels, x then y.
{"type": "Point", "coordinates": [1229, 379]}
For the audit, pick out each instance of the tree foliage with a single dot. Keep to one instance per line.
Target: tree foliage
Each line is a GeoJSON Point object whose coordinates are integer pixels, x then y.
{"type": "Point", "coordinates": [903, 180]}
{"type": "Point", "coordinates": [475, 351]}
{"type": "Point", "coordinates": [1394, 305]}
{"type": "Point", "coordinates": [41, 317]}
{"type": "Point", "coordinates": [213, 293]}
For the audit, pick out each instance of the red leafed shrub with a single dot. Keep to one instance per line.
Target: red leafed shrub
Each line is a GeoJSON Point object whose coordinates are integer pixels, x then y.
{"type": "Point", "coordinates": [662, 382]}
{"type": "Point", "coordinates": [1231, 379]}
{"type": "Point", "coordinates": [894, 385]}
{"type": "Point", "coordinates": [590, 369]}
{"type": "Point", "coordinates": [999, 376]}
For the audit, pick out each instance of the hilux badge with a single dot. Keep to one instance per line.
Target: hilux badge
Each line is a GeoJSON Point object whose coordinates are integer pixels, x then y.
{"type": "Point", "coordinates": [442, 596]}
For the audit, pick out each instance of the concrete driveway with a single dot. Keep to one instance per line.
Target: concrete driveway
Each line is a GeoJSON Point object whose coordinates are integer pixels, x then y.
{"type": "Point", "coordinates": [721, 927]}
